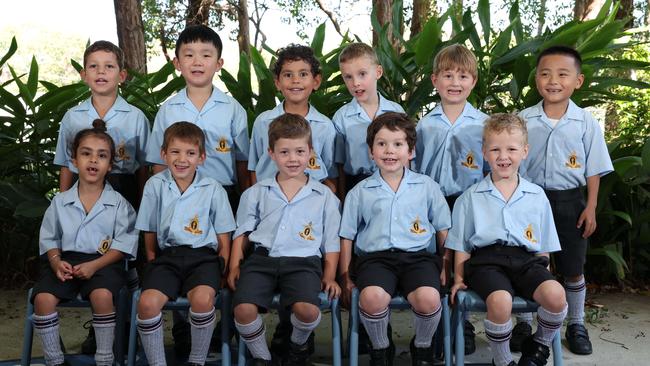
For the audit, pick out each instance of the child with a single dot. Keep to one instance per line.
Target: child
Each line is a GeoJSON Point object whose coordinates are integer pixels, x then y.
{"type": "Point", "coordinates": [360, 70]}
{"type": "Point", "coordinates": [395, 218]}
{"type": "Point", "coordinates": [502, 233]}
{"type": "Point", "coordinates": [290, 219]}
{"type": "Point", "coordinates": [187, 223]}
{"type": "Point", "coordinates": [103, 72]}
{"type": "Point", "coordinates": [297, 75]}
{"type": "Point", "coordinates": [86, 232]}
{"type": "Point", "coordinates": [221, 117]}
{"type": "Point", "coordinates": [448, 147]}
{"type": "Point", "coordinates": [567, 151]}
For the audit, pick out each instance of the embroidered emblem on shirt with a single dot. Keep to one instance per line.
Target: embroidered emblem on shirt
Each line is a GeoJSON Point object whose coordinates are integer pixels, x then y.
{"type": "Point", "coordinates": [223, 145]}
{"type": "Point", "coordinates": [469, 161]}
{"type": "Point", "coordinates": [528, 233]}
{"type": "Point", "coordinates": [121, 152]}
{"type": "Point", "coordinates": [194, 226]}
{"type": "Point", "coordinates": [104, 245]}
{"type": "Point", "coordinates": [416, 228]}
{"type": "Point", "coordinates": [573, 161]}
{"type": "Point", "coordinates": [313, 162]}
{"type": "Point", "coordinates": [306, 232]}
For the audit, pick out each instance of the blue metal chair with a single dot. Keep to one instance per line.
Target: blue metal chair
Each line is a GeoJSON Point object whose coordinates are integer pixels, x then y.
{"type": "Point", "coordinates": [222, 301]}
{"type": "Point", "coordinates": [325, 303]}
{"type": "Point", "coordinates": [397, 302]}
{"type": "Point", "coordinates": [120, 309]}
{"type": "Point", "coordinates": [470, 301]}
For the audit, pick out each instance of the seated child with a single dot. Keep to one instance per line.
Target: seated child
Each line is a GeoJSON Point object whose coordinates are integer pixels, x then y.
{"type": "Point", "coordinates": [290, 219]}
{"type": "Point", "coordinates": [395, 218]}
{"type": "Point", "coordinates": [187, 222]}
{"type": "Point", "coordinates": [86, 233]}
{"type": "Point", "coordinates": [502, 233]}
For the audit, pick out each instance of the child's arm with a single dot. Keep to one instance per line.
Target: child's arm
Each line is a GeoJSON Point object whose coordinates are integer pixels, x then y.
{"type": "Point", "coordinates": [459, 273]}
{"type": "Point", "coordinates": [331, 183]}
{"type": "Point", "coordinates": [224, 249]}
{"type": "Point", "coordinates": [150, 245]}
{"type": "Point", "coordinates": [65, 179]}
{"type": "Point", "coordinates": [345, 257]}
{"type": "Point", "coordinates": [236, 257]}
{"type": "Point", "coordinates": [253, 177]}
{"type": "Point", "coordinates": [329, 284]}
{"type": "Point", "coordinates": [141, 176]}
{"type": "Point", "coordinates": [61, 268]}
{"type": "Point", "coordinates": [588, 215]}
{"type": "Point", "coordinates": [87, 269]}
{"type": "Point", "coordinates": [445, 254]}
{"type": "Point", "coordinates": [157, 168]}
{"type": "Point", "coordinates": [243, 176]}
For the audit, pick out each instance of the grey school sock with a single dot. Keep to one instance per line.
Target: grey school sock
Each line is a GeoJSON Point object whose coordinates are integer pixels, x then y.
{"type": "Point", "coordinates": [47, 328]}
{"type": "Point", "coordinates": [202, 326]}
{"type": "Point", "coordinates": [548, 324]}
{"type": "Point", "coordinates": [376, 326]}
{"type": "Point", "coordinates": [525, 318]}
{"type": "Point", "coordinates": [254, 336]}
{"type": "Point", "coordinates": [301, 330]}
{"type": "Point", "coordinates": [151, 336]}
{"type": "Point", "coordinates": [498, 336]}
{"type": "Point", "coordinates": [425, 327]}
{"type": "Point", "coordinates": [575, 297]}
{"type": "Point", "coordinates": [104, 325]}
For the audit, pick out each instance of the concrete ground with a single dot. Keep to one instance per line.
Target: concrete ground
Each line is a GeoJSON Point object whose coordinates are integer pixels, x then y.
{"type": "Point", "coordinates": [619, 330]}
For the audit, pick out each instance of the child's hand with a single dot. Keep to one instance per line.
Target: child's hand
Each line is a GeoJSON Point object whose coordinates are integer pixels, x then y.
{"type": "Point", "coordinates": [588, 219]}
{"type": "Point", "coordinates": [346, 290]}
{"type": "Point", "coordinates": [331, 287]}
{"type": "Point", "coordinates": [62, 269]}
{"type": "Point", "coordinates": [455, 288]}
{"type": "Point", "coordinates": [233, 276]}
{"type": "Point", "coordinates": [84, 270]}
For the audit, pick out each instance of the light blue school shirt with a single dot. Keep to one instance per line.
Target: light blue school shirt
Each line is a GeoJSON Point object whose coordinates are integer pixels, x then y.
{"type": "Point", "coordinates": [192, 218]}
{"type": "Point", "coordinates": [110, 224]}
{"type": "Point", "coordinates": [303, 227]}
{"type": "Point", "coordinates": [224, 122]}
{"type": "Point", "coordinates": [379, 219]}
{"type": "Point", "coordinates": [351, 122]}
{"type": "Point", "coordinates": [481, 216]}
{"type": "Point", "coordinates": [323, 136]}
{"type": "Point", "coordinates": [562, 157]}
{"type": "Point", "coordinates": [126, 124]}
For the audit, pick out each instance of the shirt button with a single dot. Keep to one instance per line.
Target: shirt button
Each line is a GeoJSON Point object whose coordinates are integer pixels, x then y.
{"type": "Point", "coordinates": [283, 227]}
{"type": "Point", "coordinates": [395, 218]}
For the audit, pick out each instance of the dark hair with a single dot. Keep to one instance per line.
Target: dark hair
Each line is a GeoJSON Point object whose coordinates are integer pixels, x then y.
{"type": "Point", "coordinates": [185, 131]}
{"type": "Point", "coordinates": [107, 47]}
{"type": "Point", "coordinates": [289, 126]}
{"type": "Point", "coordinates": [564, 51]}
{"type": "Point", "coordinates": [296, 52]}
{"type": "Point", "coordinates": [199, 33]}
{"type": "Point", "coordinates": [98, 130]}
{"type": "Point", "coordinates": [393, 121]}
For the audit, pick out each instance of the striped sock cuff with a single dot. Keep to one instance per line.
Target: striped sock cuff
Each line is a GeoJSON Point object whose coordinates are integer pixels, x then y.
{"type": "Point", "coordinates": [575, 286]}
{"type": "Point", "coordinates": [45, 321]}
{"type": "Point", "coordinates": [498, 333]}
{"type": "Point", "coordinates": [550, 320]}
{"type": "Point", "coordinates": [252, 330]}
{"type": "Point", "coordinates": [148, 326]}
{"type": "Point", "coordinates": [427, 316]}
{"type": "Point", "coordinates": [375, 317]}
{"type": "Point", "coordinates": [202, 320]}
{"type": "Point", "coordinates": [104, 320]}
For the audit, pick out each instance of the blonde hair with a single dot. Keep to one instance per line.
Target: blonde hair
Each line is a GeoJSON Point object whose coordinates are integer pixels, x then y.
{"type": "Point", "coordinates": [500, 122]}
{"type": "Point", "coordinates": [453, 57]}
{"type": "Point", "coordinates": [358, 50]}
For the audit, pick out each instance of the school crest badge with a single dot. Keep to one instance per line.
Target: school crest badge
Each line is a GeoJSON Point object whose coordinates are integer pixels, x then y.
{"type": "Point", "coordinates": [194, 226]}
{"type": "Point", "coordinates": [312, 163]}
{"type": "Point", "coordinates": [104, 245]}
{"type": "Point", "coordinates": [121, 152]}
{"type": "Point", "coordinates": [306, 232]}
{"type": "Point", "coordinates": [469, 161]}
{"type": "Point", "coordinates": [222, 146]}
{"type": "Point", "coordinates": [416, 228]}
{"type": "Point", "coordinates": [528, 233]}
{"type": "Point", "coordinates": [573, 161]}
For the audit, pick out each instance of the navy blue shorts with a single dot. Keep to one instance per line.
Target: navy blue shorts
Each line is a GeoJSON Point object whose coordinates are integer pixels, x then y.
{"type": "Point", "coordinates": [567, 206]}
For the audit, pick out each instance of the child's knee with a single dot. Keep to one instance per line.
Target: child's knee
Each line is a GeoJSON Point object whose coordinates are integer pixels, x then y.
{"type": "Point", "coordinates": [373, 299]}
{"type": "Point", "coordinates": [201, 299]}
{"type": "Point", "coordinates": [499, 306]}
{"type": "Point", "coordinates": [45, 303]}
{"type": "Point", "coordinates": [245, 313]}
{"type": "Point", "coordinates": [305, 312]}
{"type": "Point", "coordinates": [150, 304]}
{"type": "Point", "coordinates": [424, 300]}
{"type": "Point", "coordinates": [550, 295]}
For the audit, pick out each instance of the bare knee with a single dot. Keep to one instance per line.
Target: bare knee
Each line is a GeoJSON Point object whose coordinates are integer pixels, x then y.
{"type": "Point", "coordinates": [201, 299]}
{"type": "Point", "coordinates": [424, 299]}
{"type": "Point", "coordinates": [45, 303]}
{"type": "Point", "coordinates": [305, 312]}
{"type": "Point", "coordinates": [151, 303]}
{"type": "Point", "coordinates": [499, 306]}
{"type": "Point", "coordinates": [551, 296]}
{"type": "Point", "coordinates": [373, 299]}
{"type": "Point", "coordinates": [245, 313]}
{"type": "Point", "coordinates": [101, 300]}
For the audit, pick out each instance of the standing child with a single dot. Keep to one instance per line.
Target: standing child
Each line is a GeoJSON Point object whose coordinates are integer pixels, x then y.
{"type": "Point", "coordinates": [567, 152]}
{"type": "Point", "coordinates": [187, 223]}
{"type": "Point", "coordinates": [290, 219]}
{"type": "Point", "coordinates": [86, 232]}
{"type": "Point", "coordinates": [502, 233]}
{"type": "Point", "coordinates": [397, 220]}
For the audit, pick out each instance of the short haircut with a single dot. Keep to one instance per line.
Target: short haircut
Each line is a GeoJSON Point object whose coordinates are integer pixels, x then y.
{"type": "Point", "coordinates": [500, 122]}
{"type": "Point", "coordinates": [98, 130]}
{"type": "Point", "coordinates": [199, 33]}
{"type": "Point", "coordinates": [564, 51]}
{"type": "Point", "coordinates": [187, 132]}
{"type": "Point", "coordinates": [289, 126]}
{"type": "Point", "coordinates": [107, 47]}
{"type": "Point", "coordinates": [455, 57]}
{"type": "Point", "coordinates": [296, 52]}
{"type": "Point", "coordinates": [357, 50]}
{"type": "Point", "coordinates": [393, 121]}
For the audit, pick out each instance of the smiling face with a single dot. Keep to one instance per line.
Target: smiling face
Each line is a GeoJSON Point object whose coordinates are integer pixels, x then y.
{"type": "Point", "coordinates": [390, 151]}
{"type": "Point", "coordinates": [102, 73]}
{"type": "Point", "coordinates": [182, 157]}
{"type": "Point", "coordinates": [291, 156]}
{"type": "Point", "coordinates": [198, 62]}
{"type": "Point", "coordinates": [504, 151]}
{"type": "Point", "coordinates": [360, 75]}
{"type": "Point", "coordinates": [93, 159]}
{"type": "Point", "coordinates": [296, 82]}
{"type": "Point", "coordinates": [557, 77]}
{"type": "Point", "coordinates": [453, 86]}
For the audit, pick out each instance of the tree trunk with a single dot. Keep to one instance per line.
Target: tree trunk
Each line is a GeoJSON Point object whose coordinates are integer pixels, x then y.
{"type": "Point", "coordinates": [198, 12]}
{"type": "Point", "coordinates": [587, 9]}
{"type": "Point", "coordinates": [421, 13]}
{"type": "Point", "coordinates": [383, 9]}
{"type": "Point", "coordinates": [243, 33]}
{"type": "Point", "coordinates": [541, 17]}
{"type": "Point", "coordinates": [130, 34]}
{"type": "Point", "coordinates": [626, 10]}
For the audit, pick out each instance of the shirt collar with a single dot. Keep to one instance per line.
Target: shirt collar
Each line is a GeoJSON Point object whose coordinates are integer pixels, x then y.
{"type": "Point", "coordinates": [312, 184]}
{"type": "Point", "coordinates": [200, 179]}
{"type": "Point", "coordinates": [119, 105]}
{"type": "Point", "coordinates": [573, 112]}
{"type": "Point", "coordinates": [524, 186]}
{"type": "Point", "coordinates": [468, 111]}
{"type": "Point", "coordinates": [107, 198]}
{"type": "Point", "coordinates": [313, 115]}
{"type": "Point", "coordinates": [217, 96]}
{"type": "Point", "coordinates": [357, 109]}
{"type": "Point", "coordinates": [375, 180]}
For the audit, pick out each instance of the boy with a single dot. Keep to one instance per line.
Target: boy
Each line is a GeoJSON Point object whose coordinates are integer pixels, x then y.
{"type": "Point", "coordinates": [392, 217]}
{"type": "Point", "coordinates": [360, 70]}
{"type": "Point", "coordinates": [502, 233]}
{"type": "Point", "coordinates": [567, 151]}
{"type": "Point", "coordinates": [290, 219]}
{"type": "Point", "coordinates": [297, 75]}
{"type": "Point", "coordinates": [448, 147]}
{"type": "Point", "coordinates": [187, 223]}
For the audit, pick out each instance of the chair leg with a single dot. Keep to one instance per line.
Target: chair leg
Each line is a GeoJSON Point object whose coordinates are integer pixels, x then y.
{"type": "Point", "coordinates": [133, 341]}
{"type": "Point", "coordinates": [226, 305]}
{"type": "Point", "coordinates": [446, 328]}
{"type": "Point", "coordinates": [354, 328]}
{"type": "Point", "coordinates": [557, 349]}
{"type": "Point", "coordinates": [28, 335]}
{"type": "Point", "coordinates": [121, 311]}
{"type": "Point", "coordinates": [241, 352]}
{"type": "Point", "coordinates": [336, 333]}
{"type": "Point", "coordinates": [459, 333]}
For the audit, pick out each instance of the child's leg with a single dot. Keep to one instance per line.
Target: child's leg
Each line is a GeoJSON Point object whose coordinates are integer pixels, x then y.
{"type": "Point", "coordinates": [251, 327]}
{"type": "Point", "coordinates": [202, 321]}
{"type": "Point", "coordinates": [46, 326]}
{"type": "Point", "coordinates": [150, 325]}
{"type": "Point", "coordinates": [425, 302]}
{"type": "Point", "coordinates": [498, 326]}
{"type": "Point", "coordinates": [104, 324]}
{"type": "Point", "coordinates": [375, 315]}
{"type": "Point", "coordinates": [551, 312]}
{"type": "Point", "coordinates": [305, 318]}
{"type": "Point", "coordinates": [576, 291]}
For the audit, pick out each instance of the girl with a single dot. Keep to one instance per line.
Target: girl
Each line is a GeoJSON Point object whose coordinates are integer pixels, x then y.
{"type": "Point", "coordinates": [86, 233]}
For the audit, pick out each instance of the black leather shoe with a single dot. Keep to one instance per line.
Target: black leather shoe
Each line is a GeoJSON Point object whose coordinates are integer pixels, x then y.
{"type": "Point", "coordinates": [281, 338]}
{"type": "Point", "coordinates": [89, 345]}
{"type": "Point", "coordinates": [578, 339]}
{"type": "Point", "coordinates": [512, 363]}
{"type": "Point", "coordinates": [520, 332]}
{"type": "Point", "coordinates": [182, 335]}
{"type": "Point", "coordinates": [298, 354]}
{"type": "Point", "coordinates": [421, 356]}
{"type": "Point", "coordinates": [260, 362]}
{"type": "Point", "coordinates": [533, 353]}
{"type": "Point", "coordinates": [382, 357]}
{"type": "Point", "coordinates": [470, 342]}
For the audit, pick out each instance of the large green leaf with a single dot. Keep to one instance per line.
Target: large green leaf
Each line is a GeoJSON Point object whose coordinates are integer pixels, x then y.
{"type": "Point", "coordinates": [10, 52]}
{"type": "Point", "coordinates": [484, 17]}
{"type": "Point", "coordinates": [645, 156]}
{"type": "Point", "coordinates": [32, 79]}
{"type": "Point", "coordinates": [318, 40]}
{"type": "Point", "coordinates": [428, 42]}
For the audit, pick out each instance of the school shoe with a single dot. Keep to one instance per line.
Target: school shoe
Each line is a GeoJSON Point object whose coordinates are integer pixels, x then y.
{"type": "Point", "coordinates": [533, 353]}
{"type": "Point", "coordinates": [520, 332]}
{"type": "Point", "coordinates": [89, 345]}
{"type": "Point", "coordinates": [421, 356]}
{"type": "Point", "coordinates": [298, 354]}
{"type": "Point", "coordinates": [470, 341]}
{"type": "Point", "coordinates": [578, 339]}
{"type": "Point", "coordinates": [182, 335]}
{"type": "Point", "coordinates": [382, 357]}
{"type": "Point", "coordinates": [260, 362]}
{"type": "Point", "coordinates": [512, 363]}
{"type": "Point", "coordinates": [282, 338]}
